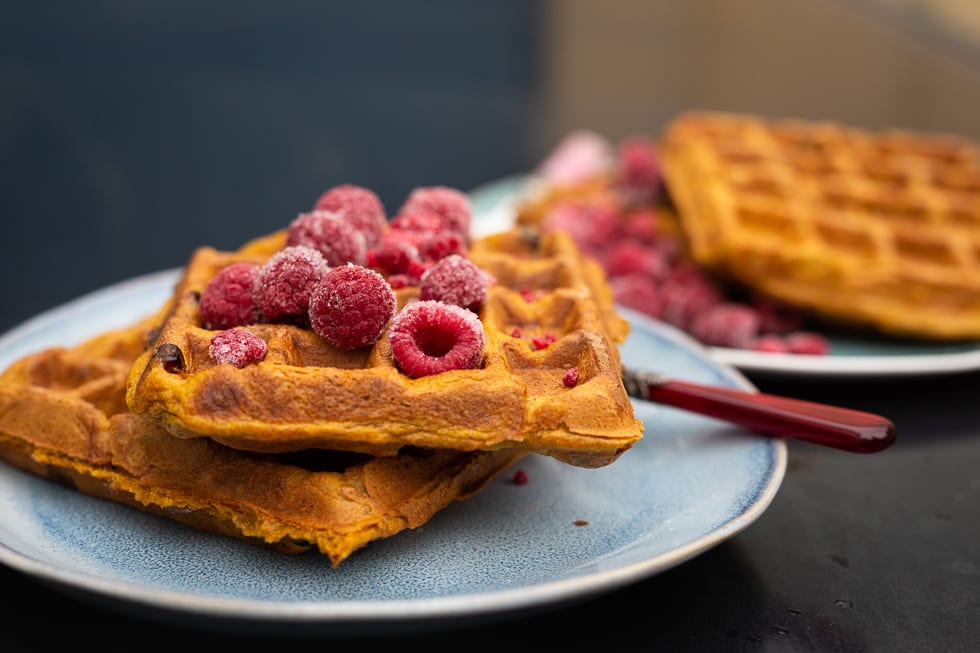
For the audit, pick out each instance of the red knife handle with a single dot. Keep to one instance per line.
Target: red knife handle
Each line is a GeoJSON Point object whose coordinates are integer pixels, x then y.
{"type": "Point", "coordinates": [832, 426]}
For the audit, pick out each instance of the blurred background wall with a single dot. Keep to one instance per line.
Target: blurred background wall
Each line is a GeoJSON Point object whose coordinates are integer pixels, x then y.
{"type": "Point", "coordinates": [133, 131]}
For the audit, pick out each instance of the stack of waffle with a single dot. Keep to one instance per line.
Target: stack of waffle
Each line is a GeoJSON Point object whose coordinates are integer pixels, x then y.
{"type": "Point", "coordinates": [874, 229]}
{"type": "Point", "coordinates": [316, 447]}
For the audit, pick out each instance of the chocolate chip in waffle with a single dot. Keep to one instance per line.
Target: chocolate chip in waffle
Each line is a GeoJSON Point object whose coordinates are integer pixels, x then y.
{"type": "Point", "coordinates": [306, 394]}
{"type": "Point", "coordinates": [63, 416]}
{"type": "Point", "coordinates": [875, 229]}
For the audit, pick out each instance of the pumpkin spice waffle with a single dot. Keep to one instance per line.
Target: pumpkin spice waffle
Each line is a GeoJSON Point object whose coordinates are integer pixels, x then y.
{"type": "Point", "coordinates": [547, 311]}
{"type": "Point", "coordinates": [63, 416]}
{"type": "Point", "coordinates": [875, 229]}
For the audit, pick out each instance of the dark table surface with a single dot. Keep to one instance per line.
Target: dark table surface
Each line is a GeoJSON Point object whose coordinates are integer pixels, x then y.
{"type": "Point", "coordinates": [876, 552]}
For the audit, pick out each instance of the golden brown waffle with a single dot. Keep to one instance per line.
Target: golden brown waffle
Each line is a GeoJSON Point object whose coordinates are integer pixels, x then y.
{"type": "Point", "coordinates": [63, 417]}
{"type": "Point", "coordinates": [307, 394]}
{"type": "Point", "coordinates": [874, 229]}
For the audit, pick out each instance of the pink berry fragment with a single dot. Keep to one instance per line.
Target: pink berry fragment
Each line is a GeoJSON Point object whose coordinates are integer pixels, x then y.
{"type": "Point", "coordinates": [228, 300]}
{"type": "Point", "coordinates": [430, 337]}
{"type": "Point", "coordinates": [285, 282]}
{"type": "Point", "coordinates": [351, 306]}
{"type": "Point", "coordinates": [543, 341]}
{"type": "Point", "coordinates": [359, 206]}
{"type": "Point", "coordinates": [455, 280]}
{"type": "Point", "coordinates": [236, 347]}
{"type": "Point", "coordinates": [515, 332]}
{"type": "Point", "coordinates": [337, 240]}
{"type": "Point", "coordinates": [520, 477]}
{"type": "Point", "coordinates": [807, 342]}
{"type": "Point", "coordinates": [570, 378]}
{"type": "Point", "coordinates": [451, 206]}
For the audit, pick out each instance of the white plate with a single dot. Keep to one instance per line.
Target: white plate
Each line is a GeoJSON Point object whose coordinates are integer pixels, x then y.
{"type": "Point", "coordinates": [494, 207]}
{"type": "Point", "coordinates": [689, 484]}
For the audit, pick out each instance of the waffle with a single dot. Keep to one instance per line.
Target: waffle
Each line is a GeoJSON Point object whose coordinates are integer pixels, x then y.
{"type": "Point", "coordinates": [880, 230]}
{"type": "Point", "coordinates": [63, 416]}
{"type": "Point", "coordinates": [307, 394]}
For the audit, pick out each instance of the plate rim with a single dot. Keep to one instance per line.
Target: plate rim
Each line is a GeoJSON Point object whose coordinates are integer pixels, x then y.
{"type": "Point", "coordinates": [339, 615]}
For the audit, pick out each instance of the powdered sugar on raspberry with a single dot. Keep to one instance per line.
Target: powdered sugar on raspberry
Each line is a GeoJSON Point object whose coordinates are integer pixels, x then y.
{"type": "Point", "coordinates": [286, 281]}
{"type": "Point", "coordinates": [430, 337]}
{"type": "Point", "coordinates": [337, 239]}
{"type": "Point", "coordinates": [236, 347]}
{"type": "Point", "coordinates": [228, 300]}
{"type": "Point", "coordinates": [351, 306]}
{"type": "Point", "coordinates": [455, 280]}
{"type": "Point", "coordinates": [359, 206]}
{"type": "Point", "coordinates": [451, 206]}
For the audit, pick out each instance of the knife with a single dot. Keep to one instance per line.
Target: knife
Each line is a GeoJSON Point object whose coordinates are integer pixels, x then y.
{"type": "Point", "coordinates": [831, 426]}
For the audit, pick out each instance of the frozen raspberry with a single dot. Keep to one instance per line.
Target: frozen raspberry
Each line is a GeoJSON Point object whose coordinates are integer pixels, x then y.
{"type": "Point", "coordinates": [777, 317]}
{"type": "Point", "coordinates": [638, 170]}
{"type": "Point", "coordinates": [543, 341]}
{"type": "Point", "coordinates": [357, 205]}
{"type": "Point", "coordinates": [686, 295]}
{"type": "Point", "coordinates": [451, 206]}
{"type": "Point", "coordinates": [580, 155]}
{"type": "Point", "coordinates": [416, 226]}
{"type": "Point", "coordinates": [592, 227]}
{"type": "Point", "coordinates": [455, 280]}
{"type": "Point", "coordinates": [643, 227]}
{"type": "Point", "coordinates": [351, 306]}
{"type": "Point", "coordinates": [520, 477]}
{"type": "Point", "coordinates": [394, 253]}
{"type": "Point", "coordinates": [808, 342]}
{"type": "Point", "coordinates": [626, 257]}
{"type": "Point", "coordinates": [228, 300]}
{"type": "Point", "coordinates": [336, 239]}
{"type": "Point", "coordinates": [285, 282]}
{"type": "Point", "coordinates": [429, 337]}
{"type": "Point", "coordinates": [727, 324]}
{"type": "Point", "coordinates": [442, 244]}
{"type": "Point", "coordinates": [771, 343]}
{"type": "Point", "coordinates": [637, 291]}
{"type": "Point", "coordinates": [237, 347]}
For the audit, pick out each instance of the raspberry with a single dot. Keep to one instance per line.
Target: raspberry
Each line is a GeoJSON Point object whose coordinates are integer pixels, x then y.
{"type": "Point", "coordinates": [442, 244]}
{"type": "Point", "coordinates": [359, 206]}
{"type": "Point", "coordinates": [776, 317]}
{"type": "Point", "coordinates": [685, 295]}
{"type": "Point", "coordinates": [591, 227]}
{"type": "Point", "coordinates": [626, 257]}
{"type": "Point", "coordinates": [637, 291]}
{"type": "Point", "coordinates": [237, 347]}
{"type": "Point", "coordinates": [351, 306]}
{"type": "Point", "coordinates": [727, 324]}
{"type": "Point", "coordinates": [394, 253]}
{"type": "Point", "coordinates": [543, 341]}
{"type": "Point", "coordinates": [451, 206]}
{"type": "Point", "coordinates": [336, 239]}
{"type": "Point", "coordinates": [228, 299]}
{"type": "Point", "coordinates": [570, 378]}
{"type": "Point", "coordinates": [807, 342]}
{"type": "Point", "coordinates": [285, 282]}
{"type": "Point", "coordinates": [579, 156]}
{"type": "Point", "coordinates": [416, 226]}
{"type": "Point", "coordinates": [771, 343]}
{"type": "Point", "coordinates": [638, 170]}
{"type": "Point", "coordinates": [455, 280]}
{"type": "Point", "coordinates": [430, 337]}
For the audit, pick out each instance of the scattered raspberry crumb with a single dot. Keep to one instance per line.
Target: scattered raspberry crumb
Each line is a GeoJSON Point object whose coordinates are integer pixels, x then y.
{"type": "Point", "coordinates": [285, 281]}
{"type": "Point", "coordinates": [430, 337]}
{"type": "Point", "coordinates": [451, 206]}
{"type": "Point", "coordinates": [527, 294]}
{"type": "Point", "coordinates": [580, 522]}
{"type": "Point", "coordinates": [543, 341]}
{"type": "Point", "coordinates": [571, 377]}
{"type": "Point", "coordinates": [520, 477]}
{"type": "Point", "coordinates": [351, 306]}
{"type": "Point", "coordinates": [237, 347]}
{"type": "Point", "coordinates": [515, 332]}
{"type": "Point", "coordinates": [357, 205]}
{"type": "Point", "coordinates": [228, 300]}
{"type": "Point", "coordinates": [336, 239]}
{"type": "Point", "coordinates": [455, 280]}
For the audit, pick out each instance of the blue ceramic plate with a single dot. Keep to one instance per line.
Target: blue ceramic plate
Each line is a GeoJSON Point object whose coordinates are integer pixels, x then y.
{"type": "Point", "coordinates": [689, 484]}
{"type": "Point", "coordinates": [494, 209]}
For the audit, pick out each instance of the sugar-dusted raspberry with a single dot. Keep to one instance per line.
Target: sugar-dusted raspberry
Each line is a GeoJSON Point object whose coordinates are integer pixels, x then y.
{"type": "Point", "coordinates": [237, 347]}
{"type": "Point", "coordinates": [358, 205]}
{"type": "Point", "coordinates": [416, 226]}
{"type": "Point", "coordinates": [442, 244]}
{"type": "Point", "coordinates": [770, 342]}
{"type": "Point", "coordinates": [228, 300]}
{"type": "Point", "coordinates": [728, 324]}
{"type": "Point", "coordinates": [451, 206]}
{"type": "Point", "coordinates": [592, 227]}
{"type": "Point", "coordinates": [455, 280]}
{"type": "Point", "coordinates": [429, 337]}
{"type": "Point", "coordinates": [686, 294]}
{"type": "Point", "coordinates": [285, 282]}
{"type": "Point", "coordinates": [570, 378]}
{"type": "Point", "coordinates": [777, 317]}
{"type": "Point", "coordinates": [638, 169]}
{"type": "Point", "coordinates": [394, 253]}
{"type": "Point", "coordinates": [637, 291]}
{"type": "Point", "coordinates": [807, 342]}
{"type": "Point", "coordinates": [338, 240]}
{"type": "Point", "coordinates": [351, 306]}
{"type": "Point", "coordinates": [543, 341]}
{"type": "Point", "coordinates": [626, 257]}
